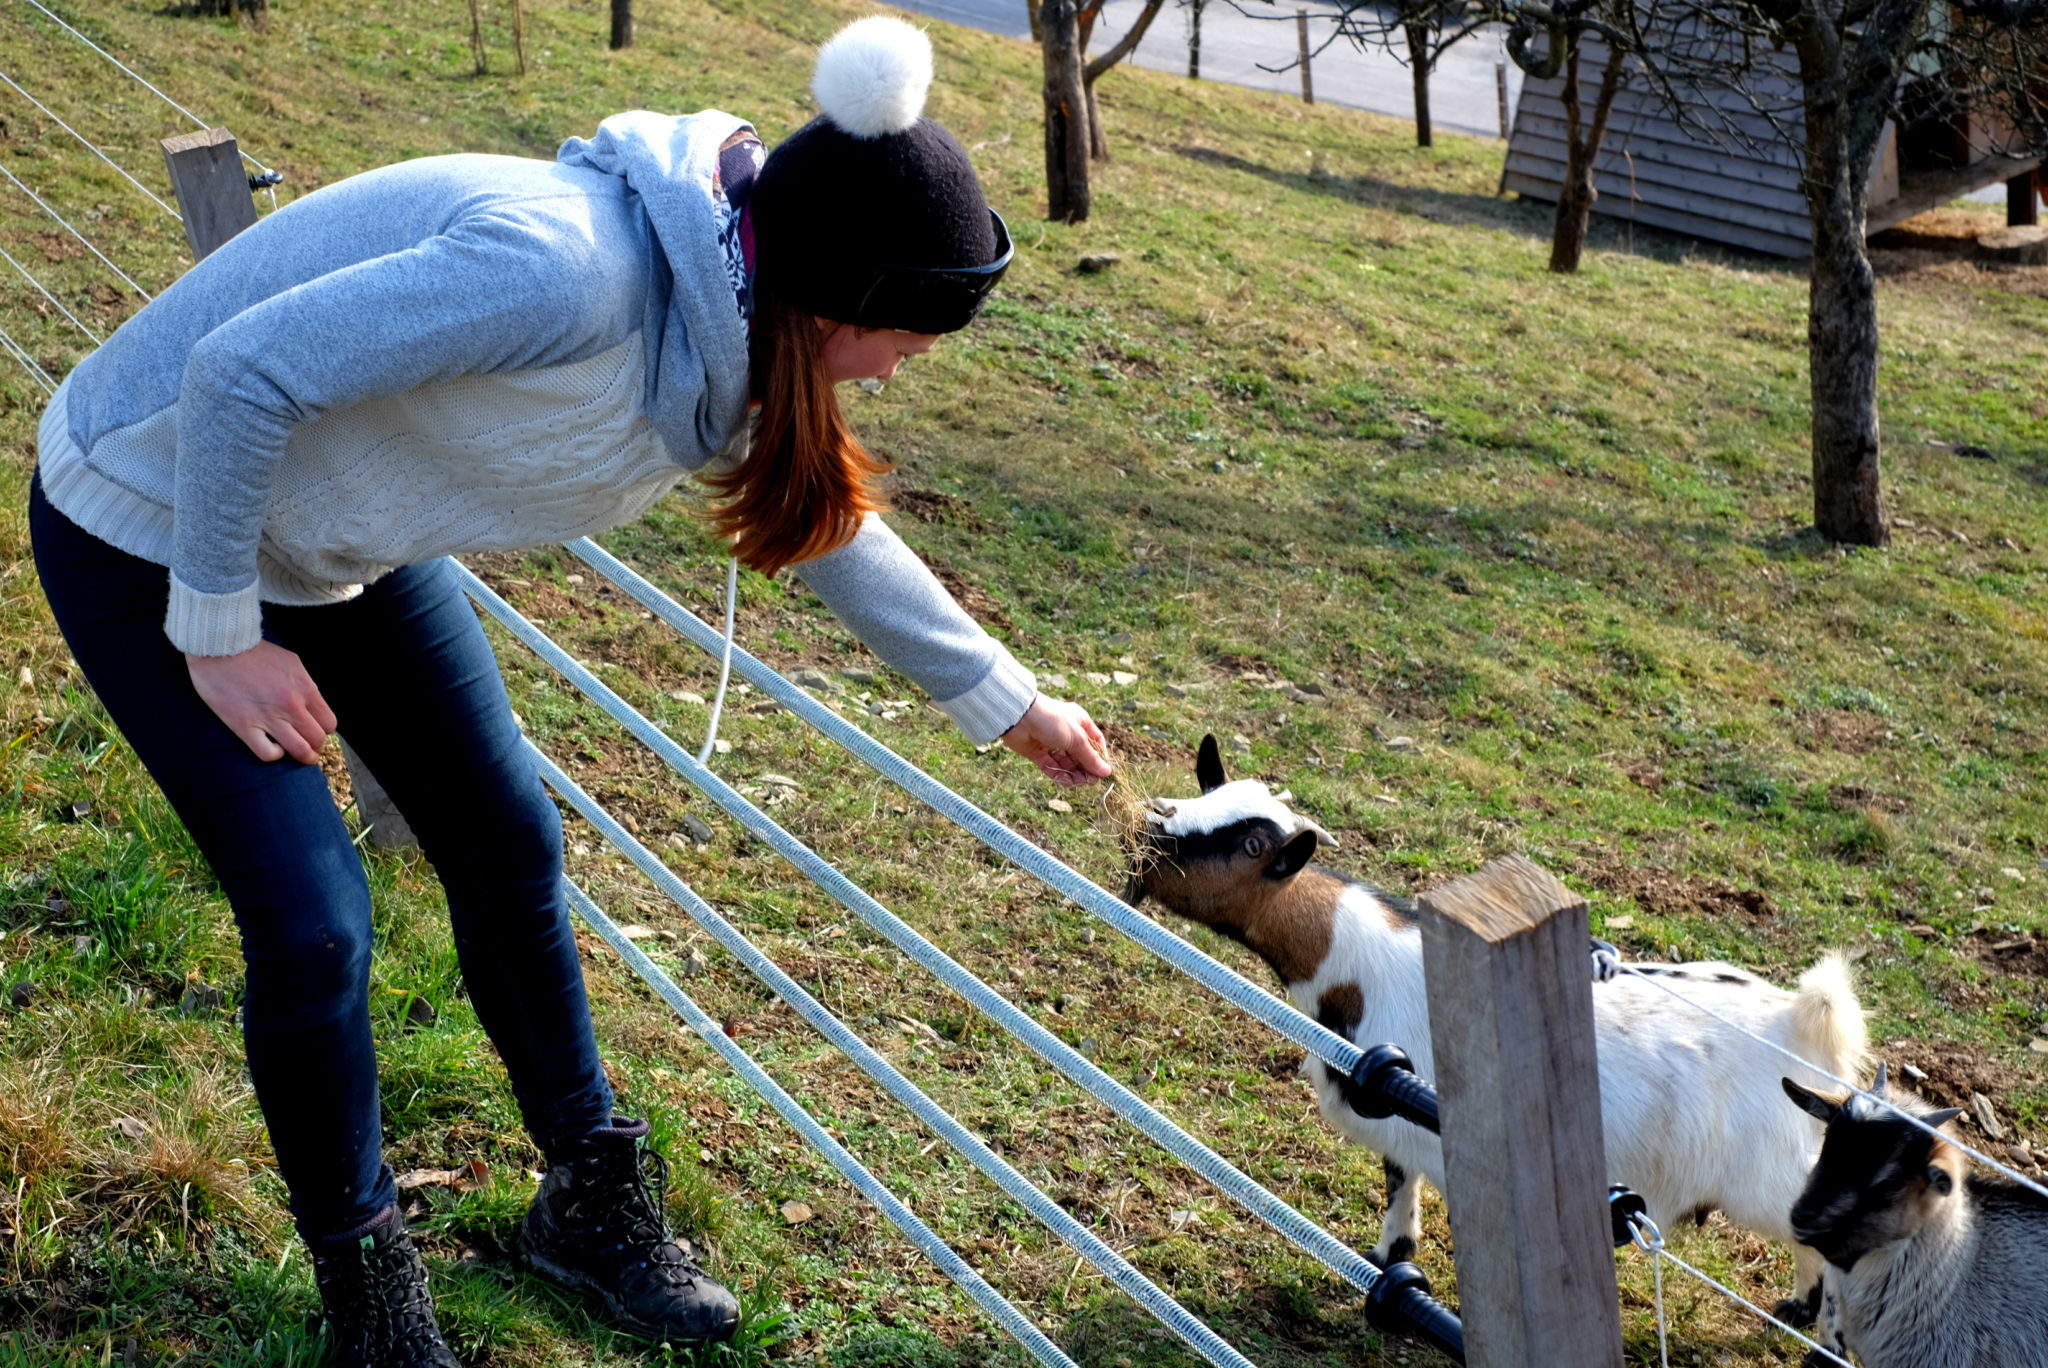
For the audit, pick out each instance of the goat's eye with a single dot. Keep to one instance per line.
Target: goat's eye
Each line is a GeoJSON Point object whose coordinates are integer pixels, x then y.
{"type": "Point", "coordinates": [1255, 846]}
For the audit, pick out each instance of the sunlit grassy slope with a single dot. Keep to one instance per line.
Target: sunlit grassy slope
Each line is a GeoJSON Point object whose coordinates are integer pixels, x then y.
{"type": "Point", "coordinates": [1530, 550]}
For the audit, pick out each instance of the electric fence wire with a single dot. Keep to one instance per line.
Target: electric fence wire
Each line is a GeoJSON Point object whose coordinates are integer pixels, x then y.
{"type": "Point", "coordinates": [1318, 1039]}
{"type": "Point", "coordinates": [1650, 1240]}
{"type": "Point", "coordinates": [87, 144]}
{"type": "Point", "coordinates": [9, 256]}
{"type": "Point", "coordinates": [74, 232]}
{"type": "Point", "coordinates": [145, 84]}
{"type": "Point", "coordinates": [863, 1179]}
{"type": "Point", "coordinates": [1840, 1082]}
{"type": "Point", "coordinates": [20, 353]}
{"type": "Point", "coordinates": [1333, 1253]}
{"type": "Point", "coordinates": [1170, 1313]}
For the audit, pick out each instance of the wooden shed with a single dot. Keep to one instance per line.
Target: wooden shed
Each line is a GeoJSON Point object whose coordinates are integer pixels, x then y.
{"type": "Point", "coordinates": [1741, 190]}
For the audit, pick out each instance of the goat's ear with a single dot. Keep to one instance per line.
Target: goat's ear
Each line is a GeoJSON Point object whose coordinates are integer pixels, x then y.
{"type": "Point", "coordinates": [1209, 765]}
{"type": "Point", "coordinates": [1293, 857]}
{"type": "Point", "coordinates": [1938, 1119]}
{"type": "Point", "coordinates": [1812, 1103]}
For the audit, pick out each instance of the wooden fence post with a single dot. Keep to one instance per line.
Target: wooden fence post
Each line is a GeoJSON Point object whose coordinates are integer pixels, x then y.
{"type": "Point", "coordinates": [2022, 202]}
{"type": "Point", "coordinates": [1500, 91]}
{"type": "Point", "coordinates": [1525, 1171]}
{"type": "Point", "coordinates": [1308, 89]}
{"type": "Point", "coordinates": [215, 198]}
{"type": "Point", "coordinates": [622, 23]}
{"type": "Point", "coordinates": [212, 189]}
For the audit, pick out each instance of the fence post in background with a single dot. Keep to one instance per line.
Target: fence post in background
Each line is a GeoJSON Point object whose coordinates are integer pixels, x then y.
{"type": "Point", "coordinates": [214, 196]}
{"type": "Point", "coordinates": [1525, 1172]}
{"type": "Point", "coordinates": [212, 189]}
{"type": "Point", "coordinates": [1500, 89]}
{"type": "Point", "coordinates": [622, 23]}
{"type": "Point", "coordinates": [1195, 39]}
{"type": "Point", "coordinates": [2022, 204]}
{"type": "Point", "coordinates": [1308, 89]}
{"type": "Point", "coordinates": [476, 39]}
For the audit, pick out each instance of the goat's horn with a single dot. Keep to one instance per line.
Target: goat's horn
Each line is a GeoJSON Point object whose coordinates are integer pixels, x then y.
{"type": "Point", "coordinates": [1938, 1119]}
{"type": "Point", "coordinates": [1877, 1085]}
{"type": "Point", "coordinates": [1322, 837]}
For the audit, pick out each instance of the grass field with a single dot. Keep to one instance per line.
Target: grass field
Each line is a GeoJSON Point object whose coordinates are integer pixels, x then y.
{"type": "Point", "coordinates": [1539, 544]}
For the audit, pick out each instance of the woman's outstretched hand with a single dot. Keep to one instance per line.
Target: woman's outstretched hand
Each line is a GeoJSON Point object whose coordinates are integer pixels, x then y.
{"type": "Point", "coordinates": [1061, 739]}
{"type": "Point", "coordinates": [267, 699]}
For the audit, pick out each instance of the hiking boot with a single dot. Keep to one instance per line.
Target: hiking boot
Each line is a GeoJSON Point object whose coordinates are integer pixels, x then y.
{"type": "Point", "coordinates": [597, 1222]}
{"type": "Point", "coordinates": [375, 1290]}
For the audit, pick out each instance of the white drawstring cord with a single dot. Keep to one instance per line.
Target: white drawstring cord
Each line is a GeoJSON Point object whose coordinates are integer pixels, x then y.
{"type": "Point", "coordinates": [732, 595]}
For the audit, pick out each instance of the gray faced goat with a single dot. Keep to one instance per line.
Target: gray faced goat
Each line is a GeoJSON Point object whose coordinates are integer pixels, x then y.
{"type": "Point", "coordinates": [1928, 1266]}
{"type": "Point", "coordinates": [1692, 1121]}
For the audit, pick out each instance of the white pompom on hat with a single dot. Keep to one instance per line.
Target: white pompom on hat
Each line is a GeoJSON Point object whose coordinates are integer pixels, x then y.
{"type": "Point", "coordinates": [872, 76]}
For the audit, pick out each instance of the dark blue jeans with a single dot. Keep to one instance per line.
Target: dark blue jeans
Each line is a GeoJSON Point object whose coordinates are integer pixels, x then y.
{"type": "Point", "coordinates": [410, 676]}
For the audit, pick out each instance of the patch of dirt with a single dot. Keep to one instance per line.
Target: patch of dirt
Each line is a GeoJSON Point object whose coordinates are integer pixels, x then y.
{"type": "Point", "coordinates": [1936, 252]}
{"type": "Point", "coordinates": [2018, 956]}
{"type": "Point", "coordinates": [1128, 743]}
{"type": "Point", "coordinates": [1856, 798]}
{"type": "Point", "coordinates": [1662, 892]}
{"type": "Point", "coordinates": [1852, 733]}
{"type": "Point", "coordinates": [1953, 1072]}
{"type": "Point", "coordinates": [930, 506]}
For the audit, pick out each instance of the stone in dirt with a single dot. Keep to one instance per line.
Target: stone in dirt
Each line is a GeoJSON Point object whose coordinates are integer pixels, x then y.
{"type": "Point", "coordinates": [854, 674]}
{"type": "Point", "coordinates": [200, 997]}
{"type": "Point", "coordinates": [819, 680]}
{"type": "Point", "coordinates": [697, 829]}
{"type": "Point", "coordinates": [796, 1213]}
{"type": "Point", "coordinates": [1987, 1116]}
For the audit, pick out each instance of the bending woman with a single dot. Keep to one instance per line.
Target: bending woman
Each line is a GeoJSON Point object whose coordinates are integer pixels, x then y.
{"type": "Point", "coordinates": [240, 514]}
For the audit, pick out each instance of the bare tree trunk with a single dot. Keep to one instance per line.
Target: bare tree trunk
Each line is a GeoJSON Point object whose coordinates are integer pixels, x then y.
{"type": "Point", "coordinates": [1066, 112]}
{"type": "Point", "coordinates": [518, 35]}
{"type": "Point", "coordinates": [1841, 333]}
{"type": "Point", "coordinates": [1195, 39]}
{"type": "Point", "coordinates": [622, 23]}
{"type": "Point", "coordinates": [476, 40]}
{"type": "Point", "coordinates": [1418, 69]}
{"type": "Point", "coordinates": [1037, 31]}
{"type": "Point", "coordinates": [1575, 197]}
{"type": "Point", "coordinates": [1098, 144]}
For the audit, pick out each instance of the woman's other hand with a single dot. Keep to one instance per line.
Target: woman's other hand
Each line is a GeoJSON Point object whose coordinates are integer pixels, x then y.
{"type": "Point", "coordinates": [266, 697]}
{"type": "Point", "coordinates": [1061, 739]}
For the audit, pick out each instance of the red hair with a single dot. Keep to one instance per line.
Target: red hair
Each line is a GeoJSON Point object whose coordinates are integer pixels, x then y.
{"type": "Point", "coordinates": [806, 482]}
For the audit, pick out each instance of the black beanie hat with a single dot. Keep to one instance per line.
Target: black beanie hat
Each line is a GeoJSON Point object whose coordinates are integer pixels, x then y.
{"type": "Point", "coordinates": [869, 185]}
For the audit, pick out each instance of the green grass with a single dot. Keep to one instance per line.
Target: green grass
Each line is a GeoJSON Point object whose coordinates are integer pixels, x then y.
{"type": "Point", "coordinates": [1343, 430]}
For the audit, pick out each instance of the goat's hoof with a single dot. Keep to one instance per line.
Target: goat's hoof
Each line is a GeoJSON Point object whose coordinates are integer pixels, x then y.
{"type": "Point", "coordinates": [1795, 1312]}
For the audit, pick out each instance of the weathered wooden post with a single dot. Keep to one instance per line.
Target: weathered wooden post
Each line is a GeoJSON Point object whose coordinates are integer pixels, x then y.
{"type": "Point", "coordinates": [212, 189]}
{"type": "Point", "coordinates": [1308, 89]}
{"type": "Point", "coordinates": [1525, 1171]}
{"type": "Point", "coordinates": [217, 202]}
{"type": "Point", "coordinates": [622, 24]}
{"type": "Point", "coordinates": [1500, 90]}
{"type": "Point", "coordinates": [2022, 204]}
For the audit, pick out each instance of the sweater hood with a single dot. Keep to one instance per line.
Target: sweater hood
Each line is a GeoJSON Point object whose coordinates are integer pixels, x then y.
{"type": "Point", "coordinates": [697, 396]}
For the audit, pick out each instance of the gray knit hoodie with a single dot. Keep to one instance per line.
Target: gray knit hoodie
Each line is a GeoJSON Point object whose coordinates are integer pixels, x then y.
{"type": "Point", "coordinates": [456, 354]}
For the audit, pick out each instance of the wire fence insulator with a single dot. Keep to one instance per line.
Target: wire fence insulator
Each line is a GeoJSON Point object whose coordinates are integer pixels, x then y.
{"type": "Point", "coordinates": [863, 1179]}
{"type": "Point", "coordinates": [29, 363]}
{"type": "Point", "coordinates": [1276, 1012]}
{"type": "Point", "coordinates": [44, 290]}
{"type": "Point", "coordinates": [1402, 1304]}
{"type": "Point", "coordinates": [86, 143]}
{"type": "Point", "coordinates": [1170, 1313]}
{"type": "Point", "coordinates": [1333, 1253]}
{"type": "Point", "coordinates": [129, 281]}
{"type": "Point", "coordinates": [1841, 1082]}
{"type": "Point", "coordinates": [1384, 1083]}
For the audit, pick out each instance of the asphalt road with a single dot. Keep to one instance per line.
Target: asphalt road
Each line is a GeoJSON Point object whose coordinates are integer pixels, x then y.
{"type": "Point", "coordinates": [1238, 45]}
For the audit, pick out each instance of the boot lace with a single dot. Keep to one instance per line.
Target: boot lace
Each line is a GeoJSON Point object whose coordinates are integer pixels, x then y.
{"type": "Point", "coordinates": [621, 1207]}
{"type": "Point", "coordinates": [381, 1300]}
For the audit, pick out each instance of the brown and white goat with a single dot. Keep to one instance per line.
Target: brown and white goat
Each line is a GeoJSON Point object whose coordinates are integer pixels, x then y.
{"type": "Point", "coordinates": [1928, 1266]}
{"type": "Point", "coordinates": [1692, 1121]}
